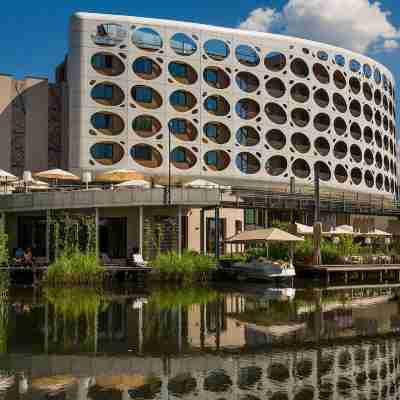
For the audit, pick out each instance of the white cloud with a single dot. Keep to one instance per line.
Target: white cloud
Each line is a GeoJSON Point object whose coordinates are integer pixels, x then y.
{"type": "Point", "coordinates": [354, 24]}
{"type": "Point", "coordinates": [391, 44]}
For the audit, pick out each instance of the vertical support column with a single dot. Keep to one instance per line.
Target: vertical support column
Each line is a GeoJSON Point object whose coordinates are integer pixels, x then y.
{"type": "Point", "coordinates": [46, 327]}
{"type": "Point", "coordinates": [48, 236]}
{"type": "Point", "coordinates": [216, 223]}
{"type": "Point", "coordinates": [97, 220]}
{"type": "Point", "coordinates": [179, 230]}
{"type": "Point", "coordinates": [266, 222]}
{"type": "Point", "coordinates": [140, 328]}
{"type": "Point", "coordinates": [202, 238]}
{"type": "Point", "coordinates": [141, 230]}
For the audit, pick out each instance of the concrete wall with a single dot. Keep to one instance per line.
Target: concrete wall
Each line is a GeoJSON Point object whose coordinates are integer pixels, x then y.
{"type": "Point", "coordinates": [231, 216]}
{"type": "Point", "coordinates": [6, 96]}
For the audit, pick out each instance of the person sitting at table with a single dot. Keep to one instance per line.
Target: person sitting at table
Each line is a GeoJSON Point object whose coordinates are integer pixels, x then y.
{"type": "Point", "coordinates": [28, 257]}
{"type": "Point", "coordinates": [19, 256]}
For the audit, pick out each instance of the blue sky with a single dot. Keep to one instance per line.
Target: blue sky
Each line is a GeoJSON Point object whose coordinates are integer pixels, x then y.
{"type": "Point", "coordinates": [34, 33]}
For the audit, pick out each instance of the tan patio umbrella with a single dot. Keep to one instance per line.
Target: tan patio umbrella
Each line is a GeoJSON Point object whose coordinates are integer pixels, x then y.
{"type": "Point", "coordinates": [34, 184]}
{"type": "Point", "coordinates": [53, 383]}
{"type": "Point", "coordinates": [57, 175]}
{"type": "Point", "coordinates": [136, 183]}
{"type": "Point", "coordinates": [121, 382]}
{"type": "Point", "coordinates": [119, 175]}
{"type": "Point", "coordinates": [264, 235]}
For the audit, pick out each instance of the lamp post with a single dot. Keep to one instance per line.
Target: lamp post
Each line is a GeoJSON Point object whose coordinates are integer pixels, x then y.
{"type": "Point", "coordinates": [27, 178]}
{"type": "Point", "coordinates": [87, 178]}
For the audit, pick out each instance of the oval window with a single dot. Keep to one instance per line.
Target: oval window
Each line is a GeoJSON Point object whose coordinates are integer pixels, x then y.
{"type": "Point", "coordinates": [276, 165]}
{"type": "Point", "coordinates": [275, 113]}
{"type": "Point", "coordinates": [216, 49]}
{"type": "Point", "coordinates": [378, 160]}
{"type": "Point", "coordinates": [246, 55]}
{"type": "Point", "coordinates": [275, 61]}
{"type": "Point", "coordinates": [109, 35]}
{"type": "Point", "coordinates": [301, 169]}
{"type": "Point", "coordinates": [355, 85]}
{"type": "Point", "coordinates": [247, 163]}
{"type": "Point", "coordinates": [339, 102]}
{"type": "Point", "coordinates": [217, 132]}
{"type": "Point", "coordinates": [356, 176]}
{"type": "Point", "coordinates": [368, 134]}
{"type": "Point", "coordinates": [301, 142]}
{"type": "Point", "coordinates": [276, 139]}
{"type": "Point", "coordinates": [324, 173]}
{"type": "Point", "coordinates": [368, 157]}
{"type": "Point", "coordinates": [322, 146]}
{"type": "Point", "coordinates": [146, 155]}
{"type": "Point", "coordinates": [379, 181]}
{"type": "Point", "coordinates": [216, 77]}
{"type": "Point", "coordinates": [377, 76]}
{"type": "Point", "coordinates": [321, 73]}
{"type": "Point", "coordinates": [247, 108]}
{"type": "Point", "coordinates": [247, 81]}
{"type": "Point", "coordinates": [323, 55]}
{"type": "Point", "coordinates": [183, 44]}
{"type": "Point", "coordinates": [355, 108]}
{"type": "Point", "coordinates": [182, 129]}
{"type": "Point", "coordinates": [146, 97]}
{"type": "Point", "coordinates": [147, 39]}
{"type": "Point", "coordinates": [355, 131]}
{"type": "Point", "coordinates": [146, 68]}
{"type": "Point", "coordinates": [339, 59]}
{"type": "Point", "coordinates": [322, 122]}
{"type": "Point", "coordinates": [182, 100]}
{"type": "Point", "coordinates": [367, 112]}
{"type": "Point", "coordinates": [247, 136]}
{"type": "Point", "coordinates": [107, 94]}
{"type": "Point", "coordinates": [107, 64]}
{"type": "Point", "coordinates": [183, 158]}
{"type": "Point", "coordinates": [355, 66]}
{"type": "Point", "coordinates": [321, 97]}
{"type": "Point", "coordinates": [182, 72]}
{"type": "Point", "coordinates": [107, 123]}
{"type": "Point", "coordinates": [378, 139]}
{"type": "Point", "coordinates": [367, 91]}
{"type": "Point", "coordinates": [300, 117]}
{"type": "Point", "coordinates": [339, 79]}
{"type": "Point", "coordinates": [217, 105]}
{"type": "Point", "coordinates": [340, 150]}
{"type": "Point", "coordinates": [299, 68]}
{"type": "Point", "coordinates": [341, 174]}
{"type": "Point", "coordinates": [107, 153]}
{"type": "Point", "coordinates": [146, 125]}
{"type": "Point", "coordinates": [275, 88]}
{"type": "Point", "coordinates": [378, 97]}
{"type": "Point", "coordinates": [367, 71]}
{"type": "Point", "coordinates": [355, 153]}
{"type": "Point", "coordinates": [217, 160]}
{"type": "Point", "coordinates": [340, 126]}
{"type": "Point", "coordinates": [300, 92]}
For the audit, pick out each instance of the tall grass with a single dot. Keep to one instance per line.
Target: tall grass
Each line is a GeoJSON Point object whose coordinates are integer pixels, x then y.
{"type": "Point", "coordinates": [188, 267]}
{"type": "Point", "coordinates": [73, 267]}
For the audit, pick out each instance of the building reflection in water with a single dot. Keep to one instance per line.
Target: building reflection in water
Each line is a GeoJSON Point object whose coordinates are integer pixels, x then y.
{"type": "Point", "coordinates": [203, 344]}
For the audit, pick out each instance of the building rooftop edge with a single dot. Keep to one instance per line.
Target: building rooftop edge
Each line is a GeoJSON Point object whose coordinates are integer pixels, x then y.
{"type": "Point", "coordinates": [189, 25]}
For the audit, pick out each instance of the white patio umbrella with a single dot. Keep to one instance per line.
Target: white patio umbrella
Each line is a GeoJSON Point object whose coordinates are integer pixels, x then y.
{"type": "Point", "coordinates": [304, 229]}
{"type": "Point", "coordinates": [135, 183]}
{"type": "Point", "coordinates": [33, 184]}
{"type": "Point", "coordinates": [203, 183]}
{"type": "Point", "coordinates": [6, 177]}
{"type": "Point", "coordinates": [57, 175]}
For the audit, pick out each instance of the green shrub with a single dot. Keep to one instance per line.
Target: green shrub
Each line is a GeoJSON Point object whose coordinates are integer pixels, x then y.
{"type": "Point", "coordinates": [73, 267]}
{"type": "Point", "coordinates": [189, 266]}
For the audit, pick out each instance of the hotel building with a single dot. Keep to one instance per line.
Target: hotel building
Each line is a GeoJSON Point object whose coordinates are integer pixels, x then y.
{"type": "Point", "coordinates": [183, 101]}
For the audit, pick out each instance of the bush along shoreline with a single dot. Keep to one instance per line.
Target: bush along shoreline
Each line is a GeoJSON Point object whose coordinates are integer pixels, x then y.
{"type": "Point", "coordinates": [189, 267]}
{"type": "Point", "coordinates": [74, 254]}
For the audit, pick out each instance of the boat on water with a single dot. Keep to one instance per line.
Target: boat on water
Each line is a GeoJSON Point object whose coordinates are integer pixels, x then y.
{"type": "Point", "coordinates": [259, 268]}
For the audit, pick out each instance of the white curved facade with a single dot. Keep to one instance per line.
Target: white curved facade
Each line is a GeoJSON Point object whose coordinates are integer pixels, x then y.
{"type": "Point", "coordinates": [249, 108]}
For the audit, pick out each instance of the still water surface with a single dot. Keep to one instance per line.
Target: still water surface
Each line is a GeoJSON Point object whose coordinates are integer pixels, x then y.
{"type": "Point", "coordinates": [242, 343]}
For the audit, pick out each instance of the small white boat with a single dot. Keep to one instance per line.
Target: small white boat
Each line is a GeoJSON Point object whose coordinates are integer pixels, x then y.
{"type": "Point", "coordinates": [261, 268]}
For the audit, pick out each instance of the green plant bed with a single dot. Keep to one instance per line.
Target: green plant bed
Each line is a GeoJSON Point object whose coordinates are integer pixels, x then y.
{"type": "Point", "coordinates": [75, 268]}
{"type": "Point", "coordinates": [188, 267]}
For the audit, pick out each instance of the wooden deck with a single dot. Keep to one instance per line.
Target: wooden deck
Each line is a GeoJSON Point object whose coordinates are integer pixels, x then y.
{"type": "Point", "coordinates": [361, 272]}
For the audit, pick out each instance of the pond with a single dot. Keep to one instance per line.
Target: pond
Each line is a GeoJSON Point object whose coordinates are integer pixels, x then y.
{"type": "Point", "coordinates": [243, 342]}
